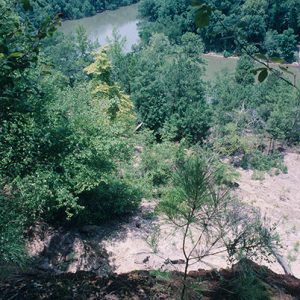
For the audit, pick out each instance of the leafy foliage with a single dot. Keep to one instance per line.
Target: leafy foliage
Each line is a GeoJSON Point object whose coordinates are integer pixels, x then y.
{"type": "Point", "coordinates": [211, 221]}
{"type": "Point", "coordinates": [271, 27]}
{"type": "Point", "coordinates": [114, 199]}
{"type": "Point", "coordinates": [246, 284]}
{"type": "Point", "coordinates": [249, 117]}
{"type": "Point", "coordinates": [68, 54]}
{"type": "Point", "coordinates": [262, 162]}
{"type": "Point", "coordinates": [168, 91]}
{"type": "Point", "coordinates": [58, 140]}
{"type": "Point", "coordinates": [68, 9]}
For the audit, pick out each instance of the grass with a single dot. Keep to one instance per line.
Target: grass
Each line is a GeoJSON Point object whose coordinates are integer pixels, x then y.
{"type": "Point", "coordinates": [161, 275]}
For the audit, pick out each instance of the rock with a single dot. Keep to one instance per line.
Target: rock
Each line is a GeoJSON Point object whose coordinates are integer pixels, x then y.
{"type": "Point", "coordinates": [177, 261]}
{"type": "Point", "coordinates": [142, 260]}
{"type": "Point", "coordinates": [138, 224]}
{"type": "Point", "coordinates": [145, 260]}
{"type": "Point", "coordinates": [174, 261]}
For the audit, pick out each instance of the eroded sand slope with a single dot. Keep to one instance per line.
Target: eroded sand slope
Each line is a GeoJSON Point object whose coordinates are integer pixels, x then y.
{"type": "Point", "coordinates": [277, 196]}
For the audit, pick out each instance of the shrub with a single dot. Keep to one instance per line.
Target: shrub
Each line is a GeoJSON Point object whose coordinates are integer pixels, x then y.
{"type": "Point", "coordinates": [227, 54]}
{"type": "Point", "coordinates": [211, 220]}
{"type": "Point", "coordinates": [11, 232]}
{"type": "Point", "coordinates": [263, 162]}
{"type": "Point", "coordinates": [109, 200]}
{"type": "Point", "coordinates": [158, 161]}
{"type": "Point", "coordinates": [246, 284]}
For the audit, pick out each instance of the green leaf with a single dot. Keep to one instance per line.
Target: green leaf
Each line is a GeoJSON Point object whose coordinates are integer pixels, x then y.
{"type": "Point", "coordinates": [203, 13]}
{"type": "Point", "coordinates": [255, 71]}
{"type": "Point", "coordinates": [263, 75]}
{"type": "Point", "coordinates": [277, 60]}
{"type": "Point", "coordinates": [16, 55]}
{"type": "Point", "coordinates": [197, 3]}
{"type": "Point", "coordinates": [203, 16]}
{"type": "Point", "coordinates": [261, 56]}
{"type": "Point", "coordinates": [26, 5]}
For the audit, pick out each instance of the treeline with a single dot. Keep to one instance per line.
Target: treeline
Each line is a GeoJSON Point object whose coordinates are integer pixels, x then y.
{"type": "Point", "coordinates": [271, 27]}
{"type": "Point", "coordinates": [73, 9]}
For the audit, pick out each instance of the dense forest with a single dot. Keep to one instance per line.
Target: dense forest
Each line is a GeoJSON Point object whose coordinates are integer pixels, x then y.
{"type": "Point", "coordinates": [72, 9]}
{"type": "Point", "coordinates": [87, 132]}
{"type": "Point", "coordinates": [271, 27]}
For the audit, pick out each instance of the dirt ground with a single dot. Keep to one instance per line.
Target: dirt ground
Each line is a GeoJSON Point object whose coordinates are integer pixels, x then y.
{"type": "Point", "coordinates": [146, 242]}
{"type": "Point", "coordinates": [144, 246]}
{"type": "Point", "coordinates": [279, 198]}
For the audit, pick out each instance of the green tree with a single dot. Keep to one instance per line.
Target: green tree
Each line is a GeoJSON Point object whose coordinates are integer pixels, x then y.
{"type": "Point", "coordinates": [210, 220]}
{"type": "Point", "coordinates": [168, 90]}
{"type": "Point", "coordinates": [244, 71]}
{"type": "Point", "coordinates": [69, 54]}
{"type": "Point", "coordinates": [247, 22]}
{"type": "Point", "coordinates": [287, 43]}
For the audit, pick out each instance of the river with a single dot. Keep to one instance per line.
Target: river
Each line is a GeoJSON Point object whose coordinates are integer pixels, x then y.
{"type": "Point", "coordinates": [125, 20]}
{"type": "Point", "coordinates": [100, 27]}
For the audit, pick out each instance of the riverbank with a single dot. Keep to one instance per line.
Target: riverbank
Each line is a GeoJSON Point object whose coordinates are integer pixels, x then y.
{"type": "Point", "coordinates": [221, 56]}
{"type": "Point", "coordinates": [217, 64]}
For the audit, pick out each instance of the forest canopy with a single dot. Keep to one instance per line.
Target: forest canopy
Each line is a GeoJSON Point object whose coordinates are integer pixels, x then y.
{"type": "Point", "coordinates": [271, 27]}
{"type": "Point", "coordinates": [72, 9]}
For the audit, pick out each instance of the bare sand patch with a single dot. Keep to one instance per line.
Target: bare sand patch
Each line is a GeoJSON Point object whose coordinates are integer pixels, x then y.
{"type": "Point", "coordinates": [144, 246]}
{"type": "Point", "coordinates": [279, 198]}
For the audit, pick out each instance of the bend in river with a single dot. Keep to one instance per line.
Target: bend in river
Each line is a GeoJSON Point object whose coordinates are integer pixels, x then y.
{"type": "Point", "coordinates": [125, 19]}
{"type": "Point", "coordinates": [100, 27]}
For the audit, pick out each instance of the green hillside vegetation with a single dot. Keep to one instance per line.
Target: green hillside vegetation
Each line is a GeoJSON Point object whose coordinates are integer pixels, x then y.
{"type": "Point", "coordinates": [86, 133]}
{"type": "Point", "coordinates": [71, 9]}
{"type": "Point", "coordinates": [271, 27]}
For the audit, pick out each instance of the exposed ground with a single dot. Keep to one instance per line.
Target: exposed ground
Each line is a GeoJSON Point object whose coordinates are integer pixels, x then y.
{"type": "Point", "coordinates": [279, 198]}
{"type": "Point", "coordinates": [139, 244]}
{"type": "Point", "coordinates": [140, 285]}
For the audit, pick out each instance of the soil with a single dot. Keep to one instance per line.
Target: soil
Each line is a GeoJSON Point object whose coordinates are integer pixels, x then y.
{"type": "Point", "coordinates": [137, 285]}
{"type": "Point", "coordinates": [278, 197]}
{"type": "Point", "coordinates": [147, 242]}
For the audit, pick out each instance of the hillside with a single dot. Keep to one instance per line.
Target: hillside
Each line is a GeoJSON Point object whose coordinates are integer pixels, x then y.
{"type": "Point", "coordinates": [150, 285]}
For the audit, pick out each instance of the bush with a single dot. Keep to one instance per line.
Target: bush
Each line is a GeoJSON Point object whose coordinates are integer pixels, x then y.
{"type": "Point", "coordinates": [158, 161]}
{"type": "Point", "coordinates": [263, 162]}
{"type": "Point", "coordinates": [227, 54]}
{"type": "Point", "coordinates": [109, 200]}
{"type": "Point", "coordinates": [12, 247]}
{"type": "Point", "coordinates": [246, 285]}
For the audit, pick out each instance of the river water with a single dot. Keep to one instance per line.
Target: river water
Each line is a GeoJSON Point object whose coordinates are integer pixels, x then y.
{"type": "Point", "coordinates": [100, 27]}
{"type": "Point", "coordinates": [125, 20]}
